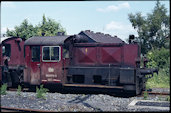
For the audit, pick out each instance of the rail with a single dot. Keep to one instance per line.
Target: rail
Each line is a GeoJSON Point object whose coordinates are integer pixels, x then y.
{"type": "Point", "coordinates": [11, 109]}
{"type": "Point", "coordinates": [154, 93]}
{"type": "Point", "coordinates": [157, 93]}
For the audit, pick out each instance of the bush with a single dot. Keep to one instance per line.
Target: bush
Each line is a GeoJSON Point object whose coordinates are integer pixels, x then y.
{"type": "Point", "coordinates": [19, 90]}
{"type": "Point", "coordinates": [4, 89]}
{"type": "Point", "coordinates": [145, 95]}
{"type": "Point", "coordinates": [40, 93]}
{"type": "Point", "coordinates": [162, 80]}
{"type": "Point", "coordinates": [168, 98]}
{"type": "Point", "coordinates": [159, 58]}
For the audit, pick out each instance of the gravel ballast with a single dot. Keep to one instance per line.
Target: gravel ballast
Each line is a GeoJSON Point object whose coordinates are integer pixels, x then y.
{"type": "Point", "coordinates": [71, 102]}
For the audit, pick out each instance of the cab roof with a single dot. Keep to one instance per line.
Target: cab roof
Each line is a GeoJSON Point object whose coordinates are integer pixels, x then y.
{"type": "Point", "coordinates": [46, 40]}
{"type": "Point", "coordinates": [3, 38]}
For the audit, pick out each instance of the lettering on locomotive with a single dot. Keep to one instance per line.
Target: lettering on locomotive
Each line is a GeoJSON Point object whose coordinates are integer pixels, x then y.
{"type": "Point", "coordinates": [50, 69]}
{"type": "Point", "coordinates": [51, 75]}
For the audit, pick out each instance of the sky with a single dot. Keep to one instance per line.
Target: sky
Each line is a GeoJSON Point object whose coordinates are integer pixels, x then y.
{"type": "Point", "coordinates": [109, 17]}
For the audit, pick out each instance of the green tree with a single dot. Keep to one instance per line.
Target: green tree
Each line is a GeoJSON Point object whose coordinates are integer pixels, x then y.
{"type": "Point", "coordinates": [159, 58]}
{"type": "Point", "coordinates": [25, 30]}
{"type": "Point", "coordinates": [153, 30]}
{"type": "Point", "coordinates": [49, 27]}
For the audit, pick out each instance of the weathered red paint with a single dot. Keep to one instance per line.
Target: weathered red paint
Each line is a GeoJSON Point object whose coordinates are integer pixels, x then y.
{"type": "Point", "coordinates": [110, 55]}
{"type": "Point", "coordinates": [42, 72]}
{"type": "Point", "coordinates": [131, 54]}
{"type": "Point", "coordinates": [65, 64]}
{"type": "Point", "coordinates": [104, 54]}
{"type": "Point", "coordinates": [85, 55]}
{"type": "Point", "coordinates": [35, 73]}
{"type": "Point", "coordinates": [27, 64]}
{"type": "Point", "coordinates": [17, 56]}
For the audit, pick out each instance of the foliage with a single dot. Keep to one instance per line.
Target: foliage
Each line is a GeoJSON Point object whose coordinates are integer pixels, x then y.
{"type": "Point", "coordinates": [145, 95]}
{"type": "Point", "coordinates": [48, 27]}
{"type": "Point", "coordinates": [168, 98]}
{"type": "Point", "coordinates": [4, 89]}
{"type": "Point", "coordinates": [25, 30]}
{"type": "Point", "coordinates": [154, 38]}
{"type": "Point", "coordinates": [40, 93]}
{"type": "Point", "coordinates": [19, 90]}
{"type": "Point", "coordinates": [153, 30]}
{"type": "Point", "coordinates": [159, 81]}
{"type": "Point", "coordinates": [159, 58]}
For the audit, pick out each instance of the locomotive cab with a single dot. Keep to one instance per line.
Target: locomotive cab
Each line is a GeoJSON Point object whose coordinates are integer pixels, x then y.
{"type": "Point", "coordinates": [44, 60]}
{"type": "Point", "coordinates": [11, 49]}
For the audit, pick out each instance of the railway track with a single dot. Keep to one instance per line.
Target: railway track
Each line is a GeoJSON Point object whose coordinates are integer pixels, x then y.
{"type": "Point", "coordinates": [149, 92]}
{"type": "Point", "coordinates": [158, 93]}
{"type": "Point", "coordinates": [10, 109]}
{"type": "Point", "coordinates": [80, 98]}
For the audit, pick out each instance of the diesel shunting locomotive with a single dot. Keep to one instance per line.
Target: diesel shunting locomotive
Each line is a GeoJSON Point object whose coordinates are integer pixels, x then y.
{"type": "Point", "coordinates": [87, 59]}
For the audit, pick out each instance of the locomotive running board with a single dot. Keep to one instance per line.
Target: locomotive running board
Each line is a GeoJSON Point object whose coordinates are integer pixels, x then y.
{"type": "Point", "coordinates": [95, 86]}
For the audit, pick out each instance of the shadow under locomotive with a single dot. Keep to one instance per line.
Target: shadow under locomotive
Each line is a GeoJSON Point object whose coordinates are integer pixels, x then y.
{"type": "Point", "coordinates": [117, 92]}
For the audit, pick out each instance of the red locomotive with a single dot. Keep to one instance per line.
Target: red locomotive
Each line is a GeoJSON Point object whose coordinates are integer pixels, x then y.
{"type": "Point", "coordinates": [85, 60]}
{"type": "Point", "coordinates": [89, 59]}
{"type": "Point", "coordinates": [12, 60]}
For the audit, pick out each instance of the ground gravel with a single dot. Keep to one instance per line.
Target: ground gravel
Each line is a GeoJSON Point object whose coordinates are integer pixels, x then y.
{"type": "Point", "coordinates": [71, 102]}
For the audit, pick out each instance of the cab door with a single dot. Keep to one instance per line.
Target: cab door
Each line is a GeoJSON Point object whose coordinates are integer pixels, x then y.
{"type": "Point", "coordinates": [35, 65]}
{"type": "Point", "coordinates": [51, 64]}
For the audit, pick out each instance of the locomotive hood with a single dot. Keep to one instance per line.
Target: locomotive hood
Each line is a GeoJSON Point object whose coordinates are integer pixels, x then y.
{"type": "Point", "coordinates": [92, 37]}
{"type": "Point", "coordinates": [99, 37]}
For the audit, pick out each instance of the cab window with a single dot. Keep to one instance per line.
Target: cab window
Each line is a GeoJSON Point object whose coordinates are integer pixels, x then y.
{"type": "Point", "coordinates": [35, 50]}
{"type": "Point", "coordinates": [6, 50]}
{"type": "Point", "coordinates": [46, 53]}
{"type": "Point", "coordinates": [51, 53]}
{"type": "Point", "coordinates": [65, 53]}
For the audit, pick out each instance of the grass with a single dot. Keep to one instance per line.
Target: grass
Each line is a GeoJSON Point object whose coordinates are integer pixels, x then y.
{"type": "Point", "coordinates": [159, 81]}
{"type": "Point", "coordinates": [145, 95]}
{"type": "Point", "coordinates": [19, 90]}
{"type": "Point", "coordinates": [40, 93]}
{"type": "Point", "coordinates": [168, 98]}
{"type": "Point", "coordinates": [4, 89]}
